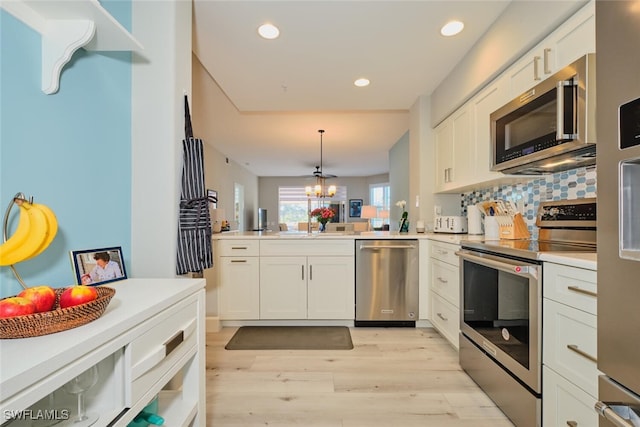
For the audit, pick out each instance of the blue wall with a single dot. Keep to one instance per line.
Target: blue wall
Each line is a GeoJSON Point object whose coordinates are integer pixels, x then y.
{"type": "Point", "coordinates": [70, 150]}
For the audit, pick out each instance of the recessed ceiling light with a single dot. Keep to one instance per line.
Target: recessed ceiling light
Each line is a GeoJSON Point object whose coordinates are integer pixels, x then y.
{"type": "Point", "coordinates": [361, 82]}
{"type": "Point", "coordinates": [451, 28]}
{"type": "Point", "coordinates": [268, 31]}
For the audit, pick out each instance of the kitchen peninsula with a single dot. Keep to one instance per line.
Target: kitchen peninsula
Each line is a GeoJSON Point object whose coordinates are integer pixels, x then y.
{"type": "Point", "coordinates": [302, 278]}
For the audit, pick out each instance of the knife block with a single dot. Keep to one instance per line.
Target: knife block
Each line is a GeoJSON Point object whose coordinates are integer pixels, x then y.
{"type": "Point", "coordinates": [512, 227]}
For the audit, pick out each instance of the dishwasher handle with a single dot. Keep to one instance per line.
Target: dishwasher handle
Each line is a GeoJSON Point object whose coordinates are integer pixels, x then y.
{"type": "Point", "coordinates": [389, 246]}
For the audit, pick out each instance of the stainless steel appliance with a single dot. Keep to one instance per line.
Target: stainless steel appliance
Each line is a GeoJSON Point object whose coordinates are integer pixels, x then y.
{"type": "Point", "coordinates": [501, 306]}
{"type": "Point", "coordinates": [550, 127]}
{"type": "Point", "coordinates": [618, 165]}
{"type": "Point", "coordinates": [262, 220]}
{"type": "Point", "coordinates": [386, 282]}
{"type": "Point", "coordinates": [450, 224]}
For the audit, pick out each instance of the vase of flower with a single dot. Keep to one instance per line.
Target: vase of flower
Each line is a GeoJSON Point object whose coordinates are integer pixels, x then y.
{"type": "Point", "coordinates": [323, 215]}
{"type": "Point", "coordinates": [403, 224]}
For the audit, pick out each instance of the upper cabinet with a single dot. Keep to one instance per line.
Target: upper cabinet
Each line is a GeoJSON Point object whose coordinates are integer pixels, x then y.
{"type": "Point", "coordinates": [66, 26]}
{"type": "Point", "coordinates": [573, 39]}
{"type": "Point", "coordinates": [463, 140]}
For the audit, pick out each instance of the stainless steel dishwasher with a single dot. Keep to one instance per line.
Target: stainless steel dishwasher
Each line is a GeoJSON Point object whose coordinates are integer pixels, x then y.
{"type": "Point", "coordinates": [386, 282]}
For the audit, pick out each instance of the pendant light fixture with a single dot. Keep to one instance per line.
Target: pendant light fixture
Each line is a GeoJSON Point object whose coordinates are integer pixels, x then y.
{"type": "Point", "coordinates": [321, 190]}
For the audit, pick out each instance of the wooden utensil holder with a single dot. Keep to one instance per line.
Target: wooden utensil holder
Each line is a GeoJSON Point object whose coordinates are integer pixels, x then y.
{"type": "Point", "coordinates": [512, 227]}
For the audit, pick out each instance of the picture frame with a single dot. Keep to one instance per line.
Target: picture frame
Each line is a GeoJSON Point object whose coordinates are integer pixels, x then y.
{"type": "Point", "coordinates": [212, 195]}
{"type": "Point", "coordinates": [355, 207]}
{"type": "Point", "coordinates": [98, 266]}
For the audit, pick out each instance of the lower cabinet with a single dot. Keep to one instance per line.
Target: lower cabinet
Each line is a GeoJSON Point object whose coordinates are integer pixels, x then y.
{"type": "Point", "coordinates": [240, 296]}
{"type": "Point", "coordinates": [569, 357]}
{"type": "Point", "coordinates": [565, 404]}
{"type": "Point", "coordinates": [445, 289]}
{"type": "Point", "coordinates": [320, 287]}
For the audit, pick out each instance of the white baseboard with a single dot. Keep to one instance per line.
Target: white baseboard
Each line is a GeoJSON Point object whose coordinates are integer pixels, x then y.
{"type": "Point", "coordinates": [213, 324]}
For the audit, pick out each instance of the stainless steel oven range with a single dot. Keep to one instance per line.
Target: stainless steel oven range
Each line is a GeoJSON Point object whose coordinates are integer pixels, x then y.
{"type": "Point", "coordinates": [501, 306]}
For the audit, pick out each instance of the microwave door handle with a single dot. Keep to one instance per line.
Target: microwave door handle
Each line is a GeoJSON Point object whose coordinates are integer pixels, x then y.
{"type": "Point", "coordinates": [560, 112]}
{"type": "Point", "coordinates": [560, 131]}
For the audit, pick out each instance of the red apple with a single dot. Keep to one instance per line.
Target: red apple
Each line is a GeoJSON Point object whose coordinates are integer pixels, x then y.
{"type": "Point", "coordinates": [16, 306]}
{"type": "Point", "coordinates": [75, 295]}
{"type": "Point", "coordinates": [44, 297]}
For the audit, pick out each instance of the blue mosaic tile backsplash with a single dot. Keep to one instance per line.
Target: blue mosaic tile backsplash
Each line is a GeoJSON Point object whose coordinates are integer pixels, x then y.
{"type": "Point", "coordinates": [577, 183]}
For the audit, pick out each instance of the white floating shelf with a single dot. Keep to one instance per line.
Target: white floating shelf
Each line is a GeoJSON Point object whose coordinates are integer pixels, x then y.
{"type": "Point", "coordinates": [66, 26]}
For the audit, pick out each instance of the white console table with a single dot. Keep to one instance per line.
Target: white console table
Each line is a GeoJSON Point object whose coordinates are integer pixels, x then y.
{"type": "Point", "coordinates": [149, 342]}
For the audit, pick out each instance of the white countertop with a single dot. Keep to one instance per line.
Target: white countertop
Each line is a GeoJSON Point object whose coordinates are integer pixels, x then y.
{"type": "Point", "coordinates": [450, 238]}
{"type": "Point", "coordinates": [572, 259]}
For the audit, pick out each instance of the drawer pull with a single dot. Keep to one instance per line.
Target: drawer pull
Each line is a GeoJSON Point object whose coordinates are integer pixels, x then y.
{"type": "Point", "coordinates": [582, 291]}
{"type": "Point", "coordinates": [238, 260]}
{"type": "Point", "coordinates": [584, 354]}
{"type": "Point", "coordinates": [441, 252]}
{"type": "Point", "coordinates": [158, 354]}
{"type": "Point", "coordinates": [572, 423]}
{"type": "Point", "coordinates": [442, 317]}
{"type": "Point", "coordinates": [441, 280]}
{"type": "Point", "coordinates": [239, 247]}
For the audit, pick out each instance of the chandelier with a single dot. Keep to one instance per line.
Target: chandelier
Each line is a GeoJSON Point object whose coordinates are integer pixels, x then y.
{"type": "Point", "coordinates": [321, 190]}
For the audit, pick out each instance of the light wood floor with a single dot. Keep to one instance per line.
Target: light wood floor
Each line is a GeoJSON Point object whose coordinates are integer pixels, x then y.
{"type": "Point", "coordinates": [393, 377]}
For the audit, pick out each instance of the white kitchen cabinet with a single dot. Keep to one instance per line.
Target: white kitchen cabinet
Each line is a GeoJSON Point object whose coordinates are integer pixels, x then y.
{"type": "Point", "coordinates": [564, 404]}
{"type": "Point", "coordinates": [239, 279]}
{"type": "Point", "coordinates": [569, 343]}
{"type": "Point", "coordinates": [463, 140]}
{"type": "Point", "coordinates": [453, 143]}
{"type": "Point", "coordinates": [573, 39]}
{"type": "Point", "coordinates": [307, 279]}
{"type": "Point", "coordinates": [445, 289]}
{"type": "Point", "coordinates": [149, 342]}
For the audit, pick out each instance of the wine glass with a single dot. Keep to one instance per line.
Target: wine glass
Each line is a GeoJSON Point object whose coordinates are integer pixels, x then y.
{"type": "Point", "coordinates": [78, 386]}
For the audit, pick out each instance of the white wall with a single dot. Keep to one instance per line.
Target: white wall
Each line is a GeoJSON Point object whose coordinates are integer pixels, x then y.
{"type": "Point", "coordinates": [161, 73]}
{"type": "Point", "coordinates": [399, 179]}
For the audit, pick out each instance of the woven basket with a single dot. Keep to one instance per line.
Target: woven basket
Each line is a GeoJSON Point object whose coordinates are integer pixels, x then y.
{"type": "Point", "coordinates": [58, 319]}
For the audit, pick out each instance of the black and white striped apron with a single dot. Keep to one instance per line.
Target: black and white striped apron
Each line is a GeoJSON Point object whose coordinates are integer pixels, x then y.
{"type": "Point", "coordinates": [194, 224]}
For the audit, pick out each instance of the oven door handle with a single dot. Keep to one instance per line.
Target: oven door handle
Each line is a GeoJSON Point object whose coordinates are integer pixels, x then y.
{"type": "Point", "coordinates": [504, 264]}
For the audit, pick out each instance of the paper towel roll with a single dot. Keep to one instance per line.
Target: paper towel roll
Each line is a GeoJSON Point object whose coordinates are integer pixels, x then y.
{"type": "Point", "coordinates": [474, 219]}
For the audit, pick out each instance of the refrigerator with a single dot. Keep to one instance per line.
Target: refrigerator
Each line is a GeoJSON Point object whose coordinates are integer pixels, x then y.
{"type": "Point", "coordinates": [618, 169]}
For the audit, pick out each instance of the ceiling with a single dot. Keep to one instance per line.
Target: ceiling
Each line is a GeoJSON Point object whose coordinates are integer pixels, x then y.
{"type": "Point", "coordinates": [272, 96]}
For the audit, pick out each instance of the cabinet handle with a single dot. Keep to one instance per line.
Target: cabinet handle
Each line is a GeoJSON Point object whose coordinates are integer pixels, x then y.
{"type": "Point", "coordinates": [238, 247]}
{"type": "Point", "coordinates": [441, 252]}
{"type": "Point", "coordinates": [572, 423]}
{"type": "Point", "coordinates": [442, 317]}
{"type": "Point", "coordinates": [238, 260]}
{"type": "Point", "coordinates": [536, 74]}
{"type": "Point", "coordinates": [302, 269]}
{"type": "Point", "coordinates": [582, 291]}
{"type": "Point", "coordinates": [441, 280]}
{"type": "Point", "coordinates": [547, 70]}
{"type": "Point", "coordinates": [582, 353]}
{"type": "Point", "coordinates": [311, 272]}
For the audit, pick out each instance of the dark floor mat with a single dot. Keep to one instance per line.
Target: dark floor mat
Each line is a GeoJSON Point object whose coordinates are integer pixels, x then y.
{"type": "Point", "coordinates": [291, 338]}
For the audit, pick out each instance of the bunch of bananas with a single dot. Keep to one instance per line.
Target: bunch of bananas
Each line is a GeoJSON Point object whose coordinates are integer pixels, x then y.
{"type": "Point", "coordinates": [36, 229]}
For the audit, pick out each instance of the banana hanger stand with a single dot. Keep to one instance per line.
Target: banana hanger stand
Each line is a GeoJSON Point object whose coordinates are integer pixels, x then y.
{"type": "Point", "coordinates": [17, 200]}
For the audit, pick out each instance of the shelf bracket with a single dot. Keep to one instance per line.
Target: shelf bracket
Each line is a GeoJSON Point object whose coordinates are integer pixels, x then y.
{"type": "Point", "coordinates": [60, 39]}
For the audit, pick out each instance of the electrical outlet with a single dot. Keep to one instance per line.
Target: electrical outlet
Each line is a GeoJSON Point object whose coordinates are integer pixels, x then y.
{"type": "Point", "coordinates": [437, 210]}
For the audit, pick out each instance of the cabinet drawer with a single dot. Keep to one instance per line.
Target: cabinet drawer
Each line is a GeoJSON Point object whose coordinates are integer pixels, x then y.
{"type": "Point", "coordinates": [445, 252]}
{"type": "Point", "coordinates": [445, 281]}
{"type": "Point", "coordinates": [573, 286]}
{"type": "Point", "coordinates": [569, 344]}
{"type": "Point", "coordinates": [445, 317]}
{"type": "Point", "coordinates": [563, 403]}
{"type": "Point", "coordinates": [237, 247]}
{"type": "Point", "coordinates": [150, 355]}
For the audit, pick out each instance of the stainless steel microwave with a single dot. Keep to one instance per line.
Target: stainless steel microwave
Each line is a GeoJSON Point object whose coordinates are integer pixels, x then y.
{"type": "Point", "coordinates": [550, 127]}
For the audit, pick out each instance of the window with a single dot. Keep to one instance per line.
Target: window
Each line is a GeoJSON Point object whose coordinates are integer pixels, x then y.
{"type": "Point", "coordinates": [380, 197]}
{"type": "Point", "coordinates": [293, 205]}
